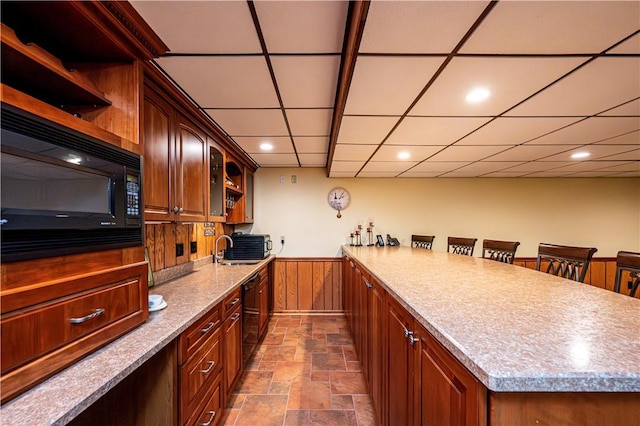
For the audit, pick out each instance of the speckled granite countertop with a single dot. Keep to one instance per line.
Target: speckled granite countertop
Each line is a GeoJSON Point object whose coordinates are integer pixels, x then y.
{"type": "Point", "coordinates": [514, 328]}
{"type": "Point", "coordinates": [62, 397]}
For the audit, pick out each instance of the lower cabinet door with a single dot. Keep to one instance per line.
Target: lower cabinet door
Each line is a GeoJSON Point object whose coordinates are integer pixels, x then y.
{"type": "Point", "coordinates": [210, 412]}
{"type": "Point", "coordinates": [232, 366]}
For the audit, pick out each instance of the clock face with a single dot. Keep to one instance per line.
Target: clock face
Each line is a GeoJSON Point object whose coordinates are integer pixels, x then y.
{"type": "Point", "coordinates": [338, 198]}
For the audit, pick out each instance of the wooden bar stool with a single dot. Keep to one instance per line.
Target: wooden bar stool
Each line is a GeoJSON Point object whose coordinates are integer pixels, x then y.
{"type": "Point", "coordinates": [459, 245]}
{"type": "Point", "coordinates": [628, 261]}
{"type": "Point", "coordinates": [565, 261]}
{"type": "Point", "coordinates": [501, 251]}
{"type": "Point", "coordinates": [422, 241]}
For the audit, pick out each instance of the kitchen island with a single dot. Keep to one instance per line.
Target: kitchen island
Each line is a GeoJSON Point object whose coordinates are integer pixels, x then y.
{"type": "Point", "coordinates": [521, 333]}
{"type": "Point", "coordinates": [61, 398]}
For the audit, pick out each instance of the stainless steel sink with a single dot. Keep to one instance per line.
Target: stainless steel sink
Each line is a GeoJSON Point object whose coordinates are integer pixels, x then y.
{"type": "Point", "coordinates": [239, 262]}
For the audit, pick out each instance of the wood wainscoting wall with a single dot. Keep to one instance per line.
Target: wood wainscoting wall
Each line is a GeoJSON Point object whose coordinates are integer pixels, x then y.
{"type": "Point", "coordinates": [307, 285]}
{"type": "Point", "coordinates": [601, 273]}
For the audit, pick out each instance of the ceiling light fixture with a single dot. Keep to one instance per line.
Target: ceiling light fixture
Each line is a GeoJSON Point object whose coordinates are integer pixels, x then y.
{"type": "Point", "coordinates": [477, 95]}
{"type": "Point", "coordinates": [266, 146]}
{"type": "Point", "coordinates": [579, 155]}
{"type": "Point", "coordinates": [404, 155]}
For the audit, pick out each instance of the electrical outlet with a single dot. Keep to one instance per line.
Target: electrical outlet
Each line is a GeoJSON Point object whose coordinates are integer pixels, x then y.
{"type": "Point", "coordinates": [282, 239]}
{"type": "Point", "coordinates": [194, 247]}
{"type": "Point", "coordinates": [281, 178]}
{"type": "Point", "coordinates": [294, 179]}
{"type": "Point", "coordinates": [179, 249]}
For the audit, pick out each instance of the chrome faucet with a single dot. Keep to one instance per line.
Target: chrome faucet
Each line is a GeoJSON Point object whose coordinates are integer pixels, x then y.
{"type": "Point", "coordinates": [217, 255]}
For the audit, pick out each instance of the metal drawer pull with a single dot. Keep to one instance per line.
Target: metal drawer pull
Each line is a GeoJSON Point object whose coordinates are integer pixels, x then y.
{"type": "Point", "coordinates": [235, 316]}
{"type": "Point", "coordinates": [96, 313]}
{"type": "Point", "coordinates": [213, 415]}
{"type": "Point", "coordinates": [206, 330]}
{"type": "Point", "coordinates": [235, 301]}
{"type": "Point", "coordinates": [368, 284]}
{"type": "Point", "coordinates": [211, 364]}
{"type": "Point", "coordinates": [409, 334]}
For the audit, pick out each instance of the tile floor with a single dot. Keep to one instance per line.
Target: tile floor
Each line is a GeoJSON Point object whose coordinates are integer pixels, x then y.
{"type": "Point", "coordinates": [305, 372]}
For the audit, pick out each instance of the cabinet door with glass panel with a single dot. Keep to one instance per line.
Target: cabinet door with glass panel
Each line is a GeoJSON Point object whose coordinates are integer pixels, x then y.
{"type": "Point", "coordinates": [216, 199]}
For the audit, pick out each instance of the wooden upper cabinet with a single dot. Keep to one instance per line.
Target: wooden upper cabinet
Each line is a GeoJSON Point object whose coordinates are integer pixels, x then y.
{"type": "Point", "coordinates": [215, 180]}
{"type": "Point", "coordinates": [191, 158]}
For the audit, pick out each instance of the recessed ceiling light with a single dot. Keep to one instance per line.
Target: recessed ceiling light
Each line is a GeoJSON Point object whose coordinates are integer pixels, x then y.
{"type": "Point", "coordinates": [581, 154]}
{"type": "Point", "coordinates": [477, 95]}
{"type": "Point", "coordinates": [403, 155]}
{"type": "Point", "coordinates": [266, 146]}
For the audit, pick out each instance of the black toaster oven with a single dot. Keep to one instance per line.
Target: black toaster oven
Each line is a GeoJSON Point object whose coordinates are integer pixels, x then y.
{"type": "Point", "coordinates": [249, 247]}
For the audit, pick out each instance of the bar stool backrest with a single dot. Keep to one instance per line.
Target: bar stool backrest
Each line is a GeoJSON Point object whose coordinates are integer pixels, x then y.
{"type": "Point", "coordinates": [459, 245]}
{"type": "Point", "coordinates": [628, 261]}
{"type": "Point", "coordinates": [565, 261]}
{"type": "Point", "coordinates": [502, 251]}
{"type": "Point", "coordinates": [422, 241]}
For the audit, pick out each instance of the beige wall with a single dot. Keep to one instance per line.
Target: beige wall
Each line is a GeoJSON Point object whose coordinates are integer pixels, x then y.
{"type": "Point", "coordinates": [603, 213]}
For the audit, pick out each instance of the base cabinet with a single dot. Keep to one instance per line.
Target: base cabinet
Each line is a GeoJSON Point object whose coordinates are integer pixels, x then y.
{"type": "Point", "coordinates": [232, 338]}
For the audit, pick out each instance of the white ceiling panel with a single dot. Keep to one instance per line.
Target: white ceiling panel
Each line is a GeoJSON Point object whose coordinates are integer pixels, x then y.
{"type": "Point", "coordinates": [631, 138]}
{"type": "Point", "coordinates": [538, 166]}
{"type": "Point", "coordinates": [313, 160]}
{"type": "Point", "coordinates": [334, 174]}
{"type": "Point", "coordinates": [551, 174]}
{"type": "Point", "coordinates": [632, 166]}
{"type": "Point", "coordinates": [510, 81]}
{"type": "Point", "coordinates": [590, 130]}
{"type": "Point", "coordinates": [251, 144]}
{"type": "Point", "coordinates": [345, 152]}
{"type": "Point", "coordinates": [484, 167]}
{"type": "Point", "coordinates": [632, 155]}
{"type": "Point", "coordinates": [434, 130]}
{"type": "Point", "coordinates": [202, 26]}
{"type": "Point", "coordinates": [388, 166]}
{"type": "Point", "coordinates": [418, 26]}
{"type": "Point", "coordinates": [275, 160]}
{"type": "Point", "coordinates": [365, 130]}
{"type": "Point", "coordinates": [587, 166]}
{"type": "Point", "coordinates": [346, 166]}
{"type": "Point", "coordinates": [629, 108]}
{"type": "Point", "coordinates": [306, 81]}
{"type": "Point", "coordinates": [468, 153]}
{"type": "Point", "coordinates": [310, 122]}
{"type": "Point", "coordinates": [514, 130]}
{"type": "Point", "coordinates": [630, 46]}
{"type": "Point", "coordinates": [311, 144]}
{"type": "Point", "coordinates": [377, 174]}
{"type": "Point", "coordinates": [553, 26]}
{"type": "Point", "coordinates": [597, 152]}
{"type": "Point", "coordinates": [602, 84]}
{"type": "Point", "coordinates": [250, 122]}
{"type": "Point", "coordinates": [531, 152]}
{"type": "Point", "coordinates": [223, 82]}
{"type": "Point", "coordinates": [302, 26]}
{"type": "Point", "coordinates": [416, 153]}
{"type": "Point", "coordinates": [413, 174]}
{"type": "Point", "coordinates": [599, 173]}
{"type": "Point", "coordinates": [388, 85]}
{"type": "Point", "coordinates": [437, 167]}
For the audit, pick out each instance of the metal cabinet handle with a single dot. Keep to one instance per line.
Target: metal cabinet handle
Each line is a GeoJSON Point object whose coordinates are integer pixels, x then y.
{"type": "Point", "coordinates": [409, 335]}
{"type": "Point", "coordinates": [206, 330]}
{"type": "Point", "coordinates": [180, 210]}
{"type": "Point", "coordinates": [368, 284]}
{"type": "Point", "coordinates": [413, 340]}
{"type": "Point", "coordinates": [96, 313]}
{"type": "Point", "coordinates": [234, 301]}
{"type": "Point", "coordinates": [211, 364]}
{"type": "Point", "coordinates": [176, 209]}
{"type": "Point", "coordinates": [213, 415]}
{"type": "Point", "coordinates": [260, 292]}
{"type": "Point", "coordinates": [235, 316]}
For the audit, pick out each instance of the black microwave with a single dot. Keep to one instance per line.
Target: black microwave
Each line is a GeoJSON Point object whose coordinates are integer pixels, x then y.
{"type": "Point", "coordinates": [64, 192]}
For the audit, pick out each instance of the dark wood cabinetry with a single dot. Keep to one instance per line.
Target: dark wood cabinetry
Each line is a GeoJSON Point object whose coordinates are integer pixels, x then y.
{"type": "Point", "coordinates": [232, 338]}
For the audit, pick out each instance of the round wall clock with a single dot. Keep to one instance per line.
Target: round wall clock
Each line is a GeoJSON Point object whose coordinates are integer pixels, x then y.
{"type": "Point", "coordinates": [338, 199]}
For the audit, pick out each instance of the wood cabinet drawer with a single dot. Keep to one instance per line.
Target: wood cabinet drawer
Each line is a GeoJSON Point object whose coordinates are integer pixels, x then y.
{"type": "Point", "coordinates": [231, 302]}
{"type": "Point", "coordinates": [57, 323]}
{"type": "Point", "coordinates": [198, 372]}
{"type": "Point", "coordinates": [210, 412]}
{"type": "Point", "coordinates": [198, 332]}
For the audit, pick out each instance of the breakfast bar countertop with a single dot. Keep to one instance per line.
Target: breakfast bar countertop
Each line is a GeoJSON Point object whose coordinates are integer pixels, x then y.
{"type": "Point", "coordinates": [62, 397]}
{"type": "Point", "coordinates": [514, 328]}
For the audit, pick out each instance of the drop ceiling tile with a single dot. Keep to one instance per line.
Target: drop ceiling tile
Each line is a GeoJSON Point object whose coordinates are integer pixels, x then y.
{"type": "Point", "coordinates": [514, 130]}
{"type": "Point", "coordinates": [417, 153]}
{"type": "Point", "coordinates": [484, 167]}
{"type": "Point", "coordinates": [438, 167]}
{"type": "Point", "coordinates": [303, 26]}
{"type": "Point", "coordinates": [538, 166]}
{"type": "Point", "coordinates": [310, 122]}
{"type": "Point", "coordinates": [503, 174]}
{"type": "Point", "coordinates": [201, 26]}
{"type": "Point", "coordinates": [223, 82]}
{"type": "Point", "coordinates": [250, 122]}
{"type": "Point", "coordinates": [434, 130]}
{"type": "Point", "coordinates": [346, 152]}
{"type": "Point", "coordinates": [460, 174]}
{"type": "Point", "coordinates": [468, 153]}
{"type": "Point", "coordinates": [602, 84]}
{"type": "Point", "coordinates": [311, 144]}
{"type": "Point", "coordinates": [629, 108]}
{"type": "Point", "coordinates": [307, 81]}
{"type": "Point", "coordinates": [413, 174]}
{"type": "Point", "coordinates": [597, 152]}
{"type": "Point", "coordinates": [510, 80]}
{"type": "Point", "coordinates": [346, 166]}
{"type": "Point", "coordinates": [550, 173]}
{"type": "Point", "coordinates": [313, 160]}
{"type": "Point", "coordinates": [632, 155]}
{"type": "Point", "coordinates": [388, 166]}
{"type": "Point", "coordinates": [632, 45]}
{"type": "Point", "coordinates": [618, 166]}
{"type": "Point", "coordinates": [590, 130]}
{"type": "Point", "coordinates": [531, 152]}
{"type": "Point", "coordinates": [600, 173]}
{"type": "Point", "coordinates": [551, 27]}
{"type": "Point", "coordinates": [342, 174]}
{"type": "Point", "coordinates": [626, 174]}
{"type": "Point", "coordinates": [417, 27]}
{"type": "Point", "coordinates": [275, 160]}
{"type": "Point", "coordinates": [631, 138]}
{"type": "Point", "coordinates": [586, 166]}
{"type": "Point", "coordinates": [365, 130]}
{"type": "Point", "coordinates": [377, 174]}
{"type": "Point", "coordinates": [251, 144]}
{"type": "Point", "coordinates": [387, 86]}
